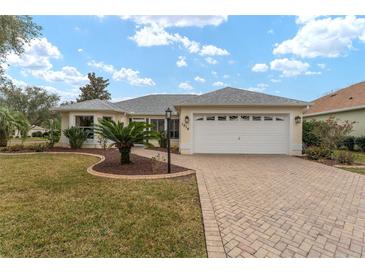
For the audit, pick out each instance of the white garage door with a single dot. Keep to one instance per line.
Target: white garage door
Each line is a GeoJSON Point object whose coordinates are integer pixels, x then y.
{"type": "Point", "coordinates": [241, 133]}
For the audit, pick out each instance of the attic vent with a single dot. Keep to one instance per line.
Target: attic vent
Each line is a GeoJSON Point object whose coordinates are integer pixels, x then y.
{"type": "Point", "coordinates": [350, 98]}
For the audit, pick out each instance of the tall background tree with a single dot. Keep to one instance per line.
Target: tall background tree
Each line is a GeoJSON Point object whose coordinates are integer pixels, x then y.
{"type": "Point", "coordinates": [34, 102]}
{"type": "Point", "coordinates": [15, 32]}
{"type": "Point", "coordinates": [95, 89]}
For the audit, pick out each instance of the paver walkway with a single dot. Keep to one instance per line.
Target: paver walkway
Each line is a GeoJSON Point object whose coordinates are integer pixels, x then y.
{"type": "Point", "coordinates": [277, 206]}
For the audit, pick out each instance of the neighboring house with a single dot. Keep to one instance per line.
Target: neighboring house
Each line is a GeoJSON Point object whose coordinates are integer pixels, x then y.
{"type": "Point", "coordinates": [31, 131]}
{"type": "Point", "coordinates": [344, 104]}
{"type": "Point", "coordinates": [228, 120]}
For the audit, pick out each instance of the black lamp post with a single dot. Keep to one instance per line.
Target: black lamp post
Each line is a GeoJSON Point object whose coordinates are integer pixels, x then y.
{"type": "Point", "coordinates": [168, 120]}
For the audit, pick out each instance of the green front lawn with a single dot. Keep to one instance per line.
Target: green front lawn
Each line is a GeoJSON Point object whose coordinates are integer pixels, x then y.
{"type": "Point", "coordinates": [28, 141]}
{"type": "Point", "coordinates": [356, 170]}
{"type": "Point", "coordinates": [359, 157]}
{"type": "Point", "coordinates": [51, 207]}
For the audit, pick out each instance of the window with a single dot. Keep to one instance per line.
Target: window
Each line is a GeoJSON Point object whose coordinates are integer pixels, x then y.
{"type": "Point", "coordinates": [279, 118]}
{"type": "Point", "coordinates": [233, 118]}
{"type": "Point", "coordinates": [210, 118]}
{"type": "Point", "coordinates": [222, 118]}
{"type": "Point", "coordinates": [108, 118]}
{"type": "Point", "coordinates": [256, 118]}
{"type": "Point", "coordinates": [199, 118]}
{"type": "Point", "coordinates": [174, 128]}
{"type": "Point", "coordinates": [87, 124]}
{"type": "Point", "coordinates": [245, 117]}
{"type": "Point", "coordinates": [268, 118]}
{"type": "Point", "coordinates": [158, 125]}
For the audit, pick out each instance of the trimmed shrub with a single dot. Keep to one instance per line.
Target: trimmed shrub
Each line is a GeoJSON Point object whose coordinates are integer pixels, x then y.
{"type": "Point", "coordinates": [309, 137]}
{"type": "Point", "coordinates": [344, 157]}
{"type": "Point", "coordinates": [19, 148]}
{"type": "Point", "coordinates": [76, 136]}
{"type": "Point", "coordinates": [360, 142]}
{"type": "Point", "coordinates": [349, 142]}
{"type": "Point", "coordinates": [37, 134]}
{"type": "Point", "coordinates": [313, 153]}
{"type": "Point", "coordinates": [316, 153]}
{"type": "Point", "coordinates": [162, 139]}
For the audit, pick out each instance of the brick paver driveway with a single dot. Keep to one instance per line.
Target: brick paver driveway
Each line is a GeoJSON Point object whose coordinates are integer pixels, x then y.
{"type": "Point", "coordinates": [278, 206]}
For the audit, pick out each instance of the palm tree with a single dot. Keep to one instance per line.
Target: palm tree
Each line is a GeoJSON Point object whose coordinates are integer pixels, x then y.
{"type": "Point", "coordinates": [9, 121]}
{"type": "Point", "coordinates": [124, 137]}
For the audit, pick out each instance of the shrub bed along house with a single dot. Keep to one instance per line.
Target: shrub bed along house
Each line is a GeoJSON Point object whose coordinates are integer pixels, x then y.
{"type": "Point", "coordinates": [329, 140]}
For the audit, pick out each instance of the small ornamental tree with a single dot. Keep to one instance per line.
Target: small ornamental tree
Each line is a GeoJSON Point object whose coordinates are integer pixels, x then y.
{"type": "Point", "coordinates": [124, 137]}
{"type": "Point", "coordinates": [332, 132]}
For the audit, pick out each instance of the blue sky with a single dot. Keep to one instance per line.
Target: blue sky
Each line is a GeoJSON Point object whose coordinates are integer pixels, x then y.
{"type": "Point", "coordinates": [297, 57]}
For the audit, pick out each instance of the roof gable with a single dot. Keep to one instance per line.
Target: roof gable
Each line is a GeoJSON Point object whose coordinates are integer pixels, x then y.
{"type": "Point", "coordinates": [349, 97]}
{"type": "Point", "coordinates": [154, 104]}
{"type": "Point", "coordinates": [235, 96]}
{"type": "Point", "coordinates": [95, 104]}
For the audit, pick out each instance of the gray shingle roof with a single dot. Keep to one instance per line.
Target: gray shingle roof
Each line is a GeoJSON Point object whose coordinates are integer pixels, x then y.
{"type": "Point", "coordinates": [155, 104]}
{"type": "Point", "coordinates": [235, 96]}
{"type": "Point", "coordinates": [95, 104]}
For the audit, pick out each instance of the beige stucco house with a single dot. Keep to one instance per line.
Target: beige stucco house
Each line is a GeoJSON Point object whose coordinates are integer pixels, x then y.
{"type": "Point", "coordinates": [228, 120]}
{"type": "Point", "coordinates": [345, 104]}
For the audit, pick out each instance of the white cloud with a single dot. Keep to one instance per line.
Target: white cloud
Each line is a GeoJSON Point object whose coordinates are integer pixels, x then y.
{"type": "Point", "coordinates": [67, 74]}
{"type": "Point", "coordinates": [36, 56]}
{"type": "Point", "coordinates": [64, 94]}
{"type": "Point", "coordinates": [80, 50]}
{"type": "Point", "coordinates": [199, 79]}
{"type": "Point", "coordinates": [213, 51]}
{"type": "Point", "coordinates": [151, 31]}
{"type": "Point", "coordinates": [211, 61]}
{"type": "Point", "coordinates": [181, 62]}
{"type": "Point", "coordinates": [152, 35]}
{"type": "Point", "coordinates": [214, 73]}
{"type": "Point", "coordinates": [289, 68]}
{"type": "Point", "coordinates": [321, 66]}
{"type": "Point", "coordinates": [270, 31]}
{"type": "Point", "coordinates": [261, 87]}
{"type": "Point", "coordinates": [218, 84]}
{"type": "Point", "coordinates": [18, 83]}
{"type": "Point", "coordinates": [177, 20]}
{"type": "Point", "coordinates": [226, 76]}
{"type": "Point", "coordinates": [324, 37]}
{"type": "Point", "coordinates": [123, 74]}
{"type": "Point", "coordinates": [185, 86]}
{"type": "Point", "coordinates": [100, 65]}
{"type": "Point", "coordinates": [303, 19]}
{"type": "Point", "coordinates": [260, 68]}
{"type": "Point", "coordinates": [191, 46]}
{"type": "Point", "coordinates": [132, 77]}
{"type": "Point", "coordinates": [275, 80]}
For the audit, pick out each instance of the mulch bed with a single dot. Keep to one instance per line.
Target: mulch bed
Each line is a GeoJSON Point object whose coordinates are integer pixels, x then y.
{"type": "Point", "coordinates": [139, 166]}
{"type": "Point", "coordinates": [174, 151]}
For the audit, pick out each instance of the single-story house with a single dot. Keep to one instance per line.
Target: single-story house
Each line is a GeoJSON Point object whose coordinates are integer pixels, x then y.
{"type": "Point", "coordinates": [227, 120]}
{"type": "Point", "coordinates": [345, 104]}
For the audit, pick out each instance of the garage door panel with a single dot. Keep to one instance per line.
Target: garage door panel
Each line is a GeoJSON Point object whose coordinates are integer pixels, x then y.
{"type": "Point", "coordinates": [261, 137]}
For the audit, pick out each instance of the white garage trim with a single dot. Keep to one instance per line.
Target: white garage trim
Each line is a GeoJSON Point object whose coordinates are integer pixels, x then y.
{"type": "Point", "coordinates": [241, 133]}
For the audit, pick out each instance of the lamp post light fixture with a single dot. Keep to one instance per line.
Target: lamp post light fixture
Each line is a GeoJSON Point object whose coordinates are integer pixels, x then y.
{"type": "Point", "coordinates": [168, 113]}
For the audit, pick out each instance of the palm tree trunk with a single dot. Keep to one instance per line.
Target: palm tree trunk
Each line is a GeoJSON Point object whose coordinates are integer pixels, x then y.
{"type": "Point", "coordinates": [124, 155]}
{"type": "Point", "coordinates": [3, 138]}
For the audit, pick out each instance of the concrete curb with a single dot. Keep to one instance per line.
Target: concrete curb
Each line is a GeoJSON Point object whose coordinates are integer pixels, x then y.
{"type": "Point", "coordinates": [91, 170]}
